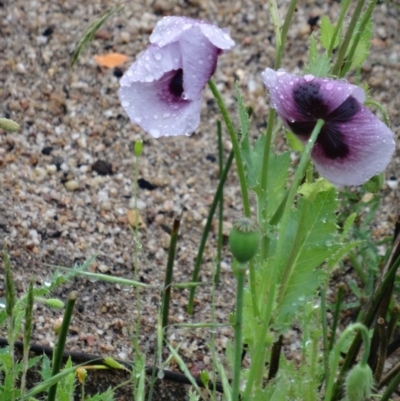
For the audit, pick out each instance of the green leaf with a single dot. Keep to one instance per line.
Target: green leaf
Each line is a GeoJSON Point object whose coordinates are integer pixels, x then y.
{"type": "Point", "coordinates": [311, 239]}
{"type": "Point", "coordinates": [342, 252]}
{"type": "Point", "coordinates": [363, 47]}
{"type": "Point", "coordinates": [327, 31]}
{"type": "Point", "coordinates": [319, 64]}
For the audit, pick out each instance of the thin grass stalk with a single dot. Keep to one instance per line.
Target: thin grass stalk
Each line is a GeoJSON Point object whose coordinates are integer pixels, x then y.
{"type": "Point", "coordinates": [206, 230]}
{"type": "Point", "coordinates": [393, 322]}
{"type": "Point", "coordinates": [382, 350]}
{"type": "Point", "coordinates": [221, 205]}
{"type": "Point", "coordinates": [325, 334]}
{"type": "Point", "coordinates": [27, 335]}
{"type": "Point", "coordinates": [391, 388]}
{"type": "Point", "coordinates": [338, 304]}
{"type": "Point", "coordinates": [235, 146]}
{"type": "Point", "coordinates": [62, 337]}
{"type": "Point", "coordinates": [238, 327]}
{"type": "Point", "coordinates": [11, 301]}
{"type": "Point", "coordinates": [346, 41]}
{"type": "Point", "coordinates": [169, 274]}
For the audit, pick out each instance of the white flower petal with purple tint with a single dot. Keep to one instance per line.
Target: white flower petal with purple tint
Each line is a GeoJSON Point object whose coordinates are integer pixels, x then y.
{"type": "Point", "coordinates": [353, 145]}
{"type": "Point", "coordinates": [161, 91]}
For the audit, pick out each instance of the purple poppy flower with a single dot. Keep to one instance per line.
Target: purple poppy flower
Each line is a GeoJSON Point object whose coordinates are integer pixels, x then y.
{"type": "Point", "coordinates": [161, 91]}
{"type": "Point", "coordinates": [353, 145]}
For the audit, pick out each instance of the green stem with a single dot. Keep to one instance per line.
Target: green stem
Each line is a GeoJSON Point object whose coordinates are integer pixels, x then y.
{"type": "Point", "coordinates": [337, 351]}
{"type": "Point", "coordinates": [221, 204]}
{"type": "Point", "coordinates": [235, 145]}
{"type": "Point", "coordinates": [27, 335]}
{"type": "Point", "coordinates": [381, 108]}
{"type": "Point", "coordinates": [58, 354]}
{"type": "Point", "coordinates": [357, 37]}
{"type": "Point", "coordinates": [339, 299]}
{"type": "Point", "coordinates": [257, 366]}
{"type": "Point", "coordinates": [168, 275]}
{"type": "Point", "coordinates": [280, 45]}
{"type": "Point", "coordinates": [285, 29]}
{"type": "Point", "coordinates": [206, 230]}
{"type": "Point", "coordinates": [390, 389]}
{"type": "Point", "coordinates": [346, 41]}
{"type": "Point", "coordinates": [243, 187]}
{"type": "Point", "coordinates": [325, 333]}
{"type": "Point", "coordinates": [241, 272]}
{"type": "Point", "coordinates": [343, 9]}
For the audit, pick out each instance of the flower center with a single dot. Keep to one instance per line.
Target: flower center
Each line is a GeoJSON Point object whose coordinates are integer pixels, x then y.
{"type": "Point", "coordinates": [312, 105]}
{"type": "Point", "coordinates": [176, 84]}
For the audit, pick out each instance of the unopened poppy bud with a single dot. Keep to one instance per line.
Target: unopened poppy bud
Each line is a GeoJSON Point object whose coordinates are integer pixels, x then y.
{"type": "Point", "coordinates": [82, 374]}
{"type": "Point", "coordinates": [359, 383]}
{"type": "Point", "coordinates": [243, 239]}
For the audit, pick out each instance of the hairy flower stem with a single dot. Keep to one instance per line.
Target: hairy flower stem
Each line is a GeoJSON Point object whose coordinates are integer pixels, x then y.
{"type": "Point", "coordinates": [281, 34]}
{"type": "Point", "coordinates": [349, 58]}
{"type": "Point", "coordinates": [257, 366]}
{"type": "Point", "coordinates": [235, 146]}
{"type": "Point", "coordinates": [237, 365]}
{"type": "Point", "coordinates": [58, 354]}
{"type": "Point", "coordinates": [343, 9]}
{"type": "Point", "coordinates": [346, 41]}
{"type": "Point", "coordinates": [243, 187]}
{"type": "Point", "coordinates": [334, 363]}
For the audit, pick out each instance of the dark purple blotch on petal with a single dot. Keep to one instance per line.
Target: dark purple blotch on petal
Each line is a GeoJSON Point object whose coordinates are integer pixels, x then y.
{"type": "Point", "coordinates": [309, 100]}
{"type": "Point", "coordinates": [310, 103]}
{"type": "Point", "coordinates": [176, 84]}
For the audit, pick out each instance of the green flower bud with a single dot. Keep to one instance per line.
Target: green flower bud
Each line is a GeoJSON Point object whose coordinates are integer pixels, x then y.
{"type": "Point", "coordinates": [243, 239]}
{"type": "Point", "coordinates": [9, 125]}
{"type": "Point", "coordinates": [359, 383]}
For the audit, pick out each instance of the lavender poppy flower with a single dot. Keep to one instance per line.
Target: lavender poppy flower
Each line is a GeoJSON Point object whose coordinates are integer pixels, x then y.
{"type": "Point", "coordinates": [161, 91]}
{"type": "Point", "coordinates": [353, 144]}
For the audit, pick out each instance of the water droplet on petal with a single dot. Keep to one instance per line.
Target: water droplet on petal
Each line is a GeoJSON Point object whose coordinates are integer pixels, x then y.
{"type": "Point", "coordinates": [155, 116]}
{"type": "Point", "coordinates": [149, 78]}
{"type": "Point", "coordinates": [125, 103]}
{"type": "Point", "coordinates": [186, 26]}
{"type": "Point", "coordinates": [166, 115]}
{"type": "Point", "coordinates": [129, 73]}
{"type": "Point", "coordinates": [309, 77]}
{"type": "Point", "coordinates": [137, 120]}
{"type": "Point", "coordinates": [329, 86]}
{"type": "Point", "coordinates": [158, 56]}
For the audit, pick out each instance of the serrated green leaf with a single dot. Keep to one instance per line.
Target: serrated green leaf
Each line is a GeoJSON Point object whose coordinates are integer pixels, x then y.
{"type": "Point", "coordinates": [342, 252]}
{"type": "Point", "coordinates": [363, 47]}
{"type": "Point", "coordinates": [311, 239]}
{"type": "Point", "coordinates": [347, 225]}
{"type": "Point", "coordinates": [327, 31]}
{"type": "Point", "coordinates": [319, 64]}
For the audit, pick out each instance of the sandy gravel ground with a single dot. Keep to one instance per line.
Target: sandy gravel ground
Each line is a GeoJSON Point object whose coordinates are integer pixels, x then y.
{"type": "Point", "coordinates": [66, 179]}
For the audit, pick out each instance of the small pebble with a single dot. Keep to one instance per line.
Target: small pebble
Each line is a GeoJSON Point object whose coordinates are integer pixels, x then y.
{"type": "Point", "coordinates": [71, 185]}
